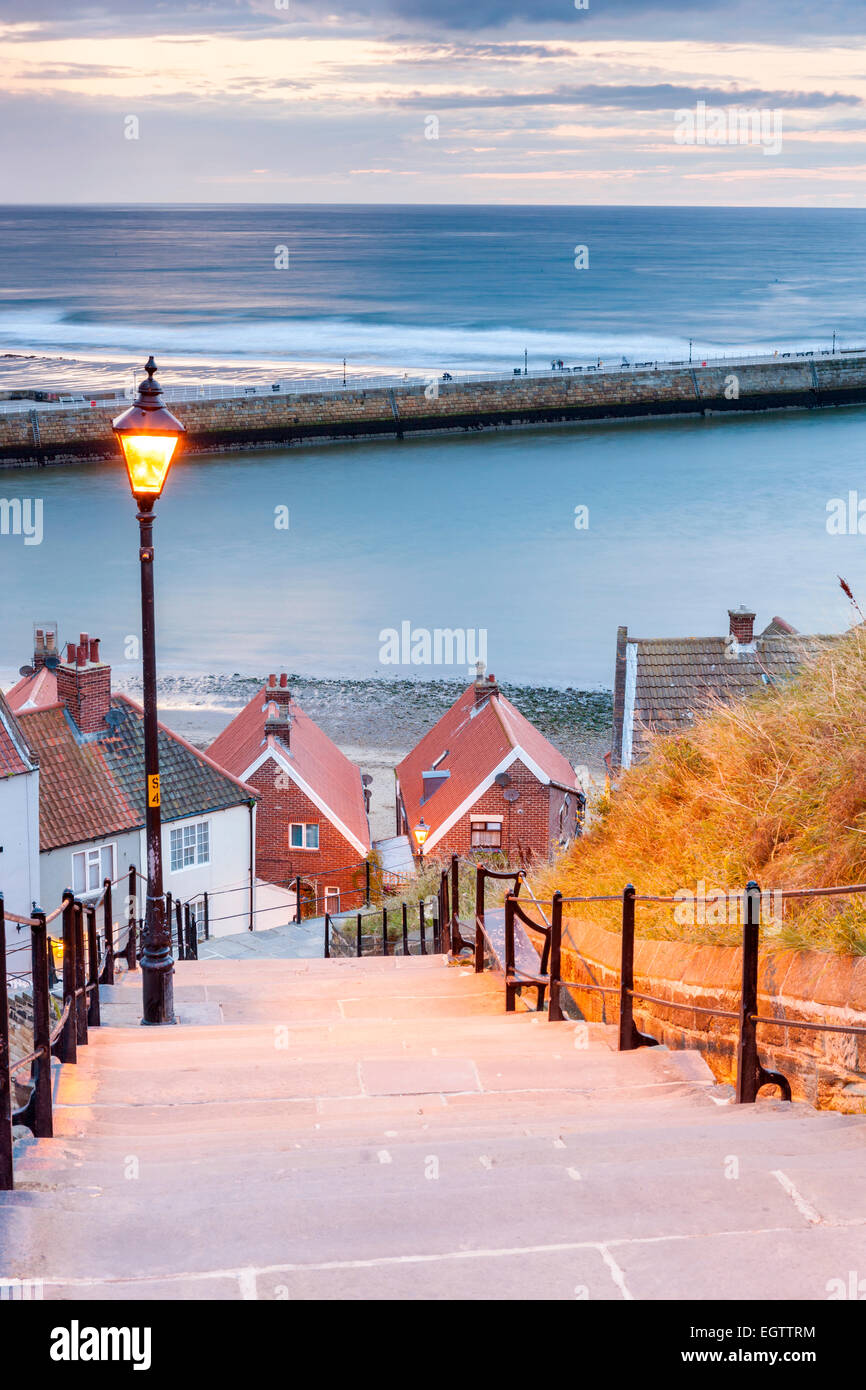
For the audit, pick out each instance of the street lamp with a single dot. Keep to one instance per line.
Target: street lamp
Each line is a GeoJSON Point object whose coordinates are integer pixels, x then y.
{"type": "Point", "coordinates": [421, 831]}
{"type": "Point", "coordinates": [149, 435]}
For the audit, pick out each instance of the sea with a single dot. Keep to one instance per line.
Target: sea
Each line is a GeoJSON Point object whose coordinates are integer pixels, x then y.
{"type": "Point", "coordinates": [537, 543]}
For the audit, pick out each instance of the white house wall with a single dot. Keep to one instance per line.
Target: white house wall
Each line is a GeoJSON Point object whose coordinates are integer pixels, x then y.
{"type": "Point", "coordinates": [229, 868]}
{"type": "Point", "coordinates": [19, 836]}
{"type": "Point", "coordinates": [56, 868]}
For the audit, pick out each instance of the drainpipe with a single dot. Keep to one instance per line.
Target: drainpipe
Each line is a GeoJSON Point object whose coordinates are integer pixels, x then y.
{"type": "Point", "coordinates": [252, 809]}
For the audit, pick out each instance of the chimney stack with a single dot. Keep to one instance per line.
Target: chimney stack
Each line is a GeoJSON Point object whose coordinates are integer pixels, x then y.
{"type": "Point", "coordinates": [84, 685]}
{"type": "Point", "coordinates": [278, 720]}
{"type": "Point", "coordinates": [742, 625]}
{"type": "Point", "coordinates": [280, 694]}
{"type": "Point", "coordinates": [45, 646]}
{"type": "Point", "coordinates": [485, 686]}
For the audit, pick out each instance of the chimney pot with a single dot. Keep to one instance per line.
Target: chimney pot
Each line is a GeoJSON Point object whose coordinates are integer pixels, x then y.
{"type": "Point", "coordinates": [272, 680]}
{"type": "Point", "coordinates": [94, 649]}
{"type": "Point", "coordinates": [284, 680]}
{"type": "Point", "coordinates": [70, 653]}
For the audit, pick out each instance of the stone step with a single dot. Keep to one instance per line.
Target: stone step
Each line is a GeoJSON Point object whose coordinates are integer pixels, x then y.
{"type": "Point", "coordinates": [381, 1128]}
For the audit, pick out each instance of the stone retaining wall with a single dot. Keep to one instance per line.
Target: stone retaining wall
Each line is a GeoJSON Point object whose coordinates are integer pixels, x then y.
{"type": "Point", "coordinates": [825, 1069]}
{"type": "Point", "coordinates": [56, 436]}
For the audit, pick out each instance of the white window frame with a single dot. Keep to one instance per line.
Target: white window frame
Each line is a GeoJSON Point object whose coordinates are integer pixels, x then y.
{"type": "Point", "coordinates": [305, 825]}
{"type": "Point", "coordinates": [488, 822]}
{"type": "Point", "coordinates": [93, 855]}
{"type": "Point", "coordinates": [195, 829]}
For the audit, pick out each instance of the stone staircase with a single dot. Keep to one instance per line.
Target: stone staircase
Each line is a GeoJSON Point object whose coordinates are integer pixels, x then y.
{"type": "Point", "coordinates": [380, 1128]}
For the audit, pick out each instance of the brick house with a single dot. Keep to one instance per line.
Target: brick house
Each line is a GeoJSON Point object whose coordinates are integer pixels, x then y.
{"type": "Point", "coordinates": [90, 747]}
{"type": "Point", "coordinates": [486, 781]}
{"type": "Point", "coordinates": [661, 684]}
{"type": "Point", "coordinates": [312, 819]}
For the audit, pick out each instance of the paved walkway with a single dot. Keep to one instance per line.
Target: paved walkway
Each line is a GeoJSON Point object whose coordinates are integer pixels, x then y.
{"type": "Point", "coordinates": [380, 1128]}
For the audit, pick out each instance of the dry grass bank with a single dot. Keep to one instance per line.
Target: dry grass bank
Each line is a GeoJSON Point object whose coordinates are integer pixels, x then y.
{"type": "Point", "coordinates": [771, 788]}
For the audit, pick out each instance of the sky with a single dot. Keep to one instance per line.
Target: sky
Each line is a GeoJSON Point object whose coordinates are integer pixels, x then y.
{"type": "Point", "coordinates": [434, 101]}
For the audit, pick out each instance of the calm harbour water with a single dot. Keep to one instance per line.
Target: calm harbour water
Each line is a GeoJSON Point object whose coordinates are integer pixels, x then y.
{"type": "Point", "coordinates": [686, 517]}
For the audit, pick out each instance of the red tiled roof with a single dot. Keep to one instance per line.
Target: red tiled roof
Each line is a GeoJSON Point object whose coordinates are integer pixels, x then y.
{"type": "Point", "coordinates": [476, 744]}
{"type": "Point", "coordinates": [15, 755]}
{"type": "Point", "coordinates": [78, 797]}
{"type": "Point", "coordinates": [311, 754]}
{"type": "Point", "coordinates": [38, 691]}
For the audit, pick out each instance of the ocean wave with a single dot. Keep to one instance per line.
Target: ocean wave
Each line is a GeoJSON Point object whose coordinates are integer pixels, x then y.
{"type": "Point", "coordinates": [401, 345]}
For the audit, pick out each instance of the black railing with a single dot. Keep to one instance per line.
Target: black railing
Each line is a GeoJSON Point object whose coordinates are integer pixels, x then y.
{"type": "Point", "coordinates": [752, 1076]}
{"type": "Point", "coordinates": [385, 932]}
{"type": "Point", "coordinates": [61, 1021]}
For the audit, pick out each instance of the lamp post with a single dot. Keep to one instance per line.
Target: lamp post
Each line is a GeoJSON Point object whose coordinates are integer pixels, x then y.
{"type": "Point", "coordinates": [148, 435]}
{"type": "Point", "coordinates": [421, 831]}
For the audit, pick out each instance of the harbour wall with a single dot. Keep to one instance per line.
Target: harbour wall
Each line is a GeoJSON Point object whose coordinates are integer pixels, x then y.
{"type": "Point", "coordinates": [84, 432]}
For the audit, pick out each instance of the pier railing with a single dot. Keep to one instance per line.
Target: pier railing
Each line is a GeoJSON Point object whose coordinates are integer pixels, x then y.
{"type": "Point", "coordinates": [612, 363]}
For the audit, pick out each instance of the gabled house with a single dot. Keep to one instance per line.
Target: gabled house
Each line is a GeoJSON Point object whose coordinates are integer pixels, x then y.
{"type": "Point", "coordinates": [90, 746]}
{"type": "Point", "coordinates": [486, 781]}
{"type": "Point", "coordinates": [19, 817]}
{"type": "Point", "coordinates": [662, 684]}
{"type": "Point", "coordinates": [312, 820]}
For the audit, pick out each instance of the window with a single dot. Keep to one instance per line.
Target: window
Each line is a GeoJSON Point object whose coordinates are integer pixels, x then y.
{"type": "Point", "coordinates": [90, 867]}
{"type": "Point", "coordinates": [486, 834]}
{"type": "Point", "coordinates": [190, 845]}
{"type": "Point", "coordinates": [303, 836]}
{"type": "Point", "coordinates": [332, 900]}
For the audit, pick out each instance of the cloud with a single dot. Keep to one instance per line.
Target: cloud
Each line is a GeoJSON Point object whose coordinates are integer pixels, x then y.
{"type": "Point", "coordinates": [659, 96]}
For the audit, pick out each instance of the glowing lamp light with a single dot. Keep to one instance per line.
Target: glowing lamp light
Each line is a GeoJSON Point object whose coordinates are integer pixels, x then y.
{"type": "Point", "coordinates": [148, 434]}
{"type": "Point", "coordinates": [421, 831]}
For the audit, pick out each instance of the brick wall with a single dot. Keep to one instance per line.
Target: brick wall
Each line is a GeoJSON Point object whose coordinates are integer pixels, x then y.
{"type": "Point", "coordinates": [530, 825]}
{"type": "Point", "coordinates": [282, 803]}
{"type": "Point", "coordinates": [280, 419]}
{"type": "Point", "coordinates": [824, 1069]}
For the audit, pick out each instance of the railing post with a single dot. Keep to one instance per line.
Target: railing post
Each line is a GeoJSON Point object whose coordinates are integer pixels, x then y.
{"type": "Point", "coordinates": [298, 898]}
{"type": "Point", "coordinates": [627, 1031]}
{"type": "Point", "coordinates": [366, 883]}
{"type": "Point", "coordinates": [92, 970]}
{"type": "Point", "coordinates": [405, 930]}
{"type": "Point", "coordinates": [178, 915]}
{"type": "Point", "coordinates": [190, 933]}
{"type": "Point", "coordinates": [6, 1175]}
{"type": "Point", "coordinates": [359, 945]}
{"type": "Point", "coordinates": [510, 987]}
{"type": "Point", "coordinates": [422, 927]}
{"type": "Point", "coordinates": [748, 1067]}
{"type": "Point", "coordinates": [206, 917]}
{"type": "Point", "coordinates": [67, 1043]}
{"type": "Point", "coordinates": [79, 1008]}
{"type": "Point", "coordinates": [455, 904]}
{"type": "Point", "coordinates": [42, 1121]}
{"type": "Point", "coordinates": [480, 878]}
{"type": "Point", "coordinates": [554, 1007]}
{"type": "Point", "coordinates": [327, 936]}
{"type": "Point", "coordinates": [131, 917]}
{"type": "Point", "coordinates": [108, 931]}
{"type": "Point", "coordinates": [384, 931]}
